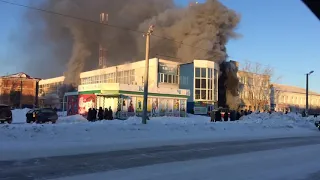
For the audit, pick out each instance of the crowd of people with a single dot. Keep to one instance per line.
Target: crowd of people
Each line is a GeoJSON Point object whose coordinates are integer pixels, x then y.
{"type": "Point", "coordinates": [224, 116]}
{"type": "Point", "coordinates": [94, 115]}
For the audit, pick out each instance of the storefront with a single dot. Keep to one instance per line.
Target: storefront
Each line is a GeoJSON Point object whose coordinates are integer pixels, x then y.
{"type": "Point", "coordinates": [127, 100]}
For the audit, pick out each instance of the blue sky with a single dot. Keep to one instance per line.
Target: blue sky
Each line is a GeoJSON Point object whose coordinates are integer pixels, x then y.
{"type": "Point", "coordinates": [281, 33]}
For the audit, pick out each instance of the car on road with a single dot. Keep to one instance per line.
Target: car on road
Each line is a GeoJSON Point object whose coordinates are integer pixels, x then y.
{"type": "Point", "coordinates": [5, 114]}
{"type": "Point", "coordinates": [317, 123]}
{"type": "Point", "coordinates": [42, 115]}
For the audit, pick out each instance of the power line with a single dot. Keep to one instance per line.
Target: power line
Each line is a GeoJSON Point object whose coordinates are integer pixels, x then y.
{"type": "Point", "coordinates": [118, 27]}
{"type": "Point", "coordinates": [69, 16]}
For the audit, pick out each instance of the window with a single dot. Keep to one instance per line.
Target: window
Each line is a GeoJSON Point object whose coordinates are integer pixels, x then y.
{"type": "Point", "coordinates": [168, 78]}
{"type": "Point", "coordinates": [203, 84]}
{"type": "Point", "coordinates": [197, 94]}
{"type": "Point", "coordinates": [197, 72]}
{"type": "Point", "coordinates": [183, 80]}
{"type": "Point", "coordinates": [203, 72]}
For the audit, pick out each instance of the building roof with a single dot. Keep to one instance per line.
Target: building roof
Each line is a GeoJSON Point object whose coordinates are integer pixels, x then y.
{"type": "Point", "coordinates": [19, 75]}
{"type": "Point", "coordinates": [293, 89]}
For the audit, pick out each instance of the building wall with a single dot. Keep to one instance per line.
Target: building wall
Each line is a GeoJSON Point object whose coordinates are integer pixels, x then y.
{"type": "Point", "coordinates": [255, 93]}
{"type": "Point", "coordinates": [288, 98]}
{"type": "Point", "coordinates": [11, 88]}
{"type": "Point", "coordinates": [186, 79]}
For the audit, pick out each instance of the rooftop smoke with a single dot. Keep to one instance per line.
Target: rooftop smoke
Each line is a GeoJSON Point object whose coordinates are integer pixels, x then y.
{"type": "Point", "coordinates": [70, 45]}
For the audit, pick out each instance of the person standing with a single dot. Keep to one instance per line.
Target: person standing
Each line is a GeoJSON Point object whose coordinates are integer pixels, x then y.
{"type": "Point", "coordinates": [100, 114]}
{"type": "Point", "coordinates": [212, 116]}
{"type": "Point", "coordinates": [226, 115]}
{"type": "Point", "coordinates": [94, 114]}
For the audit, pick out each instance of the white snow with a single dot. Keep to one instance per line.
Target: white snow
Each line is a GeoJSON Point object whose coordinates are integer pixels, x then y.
{"type": "Point", "coordinates": [296, 163]}
{"type": "Point", "coordinates": [19, 115]}
{"type": "Point", "coordinates": [74, 134]}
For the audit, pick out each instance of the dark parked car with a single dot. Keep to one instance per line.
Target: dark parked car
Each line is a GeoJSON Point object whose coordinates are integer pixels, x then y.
{"type": "Point", "coordinates": [5, 114]}
{"type": "Point", "coordinates": [42, 115]}
{"type": "Point", "coordinates": [317, 123]}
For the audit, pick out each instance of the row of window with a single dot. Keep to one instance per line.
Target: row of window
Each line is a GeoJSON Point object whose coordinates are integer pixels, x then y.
{"type": "Point", "coordinates": [123, 77]}
{"type": "Point", "coordinates": [168, 78]}
{"type": "Point", "coordinates": [256, 81]}
{"type": "Point", "coordinates": [206, 84]}
{"type": "Point", "coordinates": [204, 72]}
{"type": "Point", "coordinates": [296, 100]}
{"type": "Point", "coordinates": [51, 85]}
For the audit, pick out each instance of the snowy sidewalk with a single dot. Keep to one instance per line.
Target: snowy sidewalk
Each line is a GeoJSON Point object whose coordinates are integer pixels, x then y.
{"type": "Point", "coordinates": [74, 135]}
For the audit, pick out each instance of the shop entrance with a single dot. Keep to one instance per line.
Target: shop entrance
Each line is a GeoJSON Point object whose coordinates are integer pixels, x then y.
{"type": "Point", "coordinates": [117, 102]}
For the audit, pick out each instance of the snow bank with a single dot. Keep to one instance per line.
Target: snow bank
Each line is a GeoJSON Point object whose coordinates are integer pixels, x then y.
{"type": "Point", "coordinates": [74, 134]}
{"type": "Point", "coordinates": [19, 115]}
{"type": "Point", "coordinates": [277, 116]}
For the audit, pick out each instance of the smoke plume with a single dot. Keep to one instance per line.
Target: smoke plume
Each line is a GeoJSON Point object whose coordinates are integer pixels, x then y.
{"type": "Point", "coordinates": [71, 45]}
{"type": "Point", "coordinates": [229, 85]}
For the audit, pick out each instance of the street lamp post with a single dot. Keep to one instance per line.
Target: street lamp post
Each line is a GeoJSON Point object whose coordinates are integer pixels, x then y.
{"type": "Point", "coordinates": [307, 92]}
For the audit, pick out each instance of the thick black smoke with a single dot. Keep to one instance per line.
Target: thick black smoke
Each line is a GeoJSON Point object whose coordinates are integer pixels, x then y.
{"type": "Point", "coordinates": [57, 43]}
{"type": "Point", "coordinates": [73, 44]}
{"type": "Point", "coordinates": [229, 85]}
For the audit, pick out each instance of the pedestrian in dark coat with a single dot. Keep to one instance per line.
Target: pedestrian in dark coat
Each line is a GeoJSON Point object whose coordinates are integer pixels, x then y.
{"type": "Point", "coordinates": [89, 116]}
{"type": "Point", "coordinates": [245, 112]}
{"type": "Point", "coordinates": [100, 113]}
{"type": "Point", "coordinates": [233, 115]}
{"type": "Point", "coordinates": [238, 116]}
{"type": "Point", "coordinates": [212, 116]}
{"type": "Point", "coordinates": [106, 112]}
{"type": "Point", "coordinates": [226, 116]}
{"type": "Point", "coordinates": [218, 115]}
{"type": "Point", "coordinates": [110, 113]}
{"type": "Point", "coordinates": [94, 114]}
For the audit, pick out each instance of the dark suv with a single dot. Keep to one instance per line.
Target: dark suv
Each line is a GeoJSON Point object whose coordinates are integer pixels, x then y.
{"type": "Point", "coordinates": [42, 115]}
{"type": "Point", "coordinates": [5, 114]}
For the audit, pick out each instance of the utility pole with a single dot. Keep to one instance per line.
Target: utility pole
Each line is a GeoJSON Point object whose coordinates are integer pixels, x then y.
{"type": "Point", "coordinates": [146, 76]}
{"type": "Point", "coordinates": [307, 92]}
{"type": "Point", "coordinates": [21, 93]}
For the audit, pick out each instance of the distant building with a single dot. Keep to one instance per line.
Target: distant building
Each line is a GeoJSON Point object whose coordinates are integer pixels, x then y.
{"type": "Point", "coordinates": [19, 90]}
{"type": "Point", "coordinates": [293, 99]}
{"type": "Point", "coordinates": [255, 93]}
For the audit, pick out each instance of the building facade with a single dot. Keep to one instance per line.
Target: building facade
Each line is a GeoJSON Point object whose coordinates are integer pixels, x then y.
{"type": "Point", "coordinates": [201, 77]}
{"type": "Point", "coordinates": [255, 91]}
{"type": "Point", "coordinates": [173, 87]}
{"type": "Point", "coordinates": [293, 99]}
{"type": "Point", "coordinates": [19, 90]}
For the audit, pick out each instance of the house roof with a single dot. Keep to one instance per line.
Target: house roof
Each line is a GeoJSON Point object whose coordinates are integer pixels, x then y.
{"type": "Point", "coordinates": [19, 75]}
{"type": "Point", "coordinates": [293, 89]}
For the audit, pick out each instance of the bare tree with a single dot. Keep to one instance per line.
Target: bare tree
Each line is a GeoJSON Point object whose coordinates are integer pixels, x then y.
{"type": "Point", "coordinates": [256, 85]}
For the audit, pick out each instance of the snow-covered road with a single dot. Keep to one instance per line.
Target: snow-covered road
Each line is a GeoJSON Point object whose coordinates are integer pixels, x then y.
{"type": "Point", "coordinates": [295, 163]}
{"type": "Point", "coordinates": [224, 160]}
